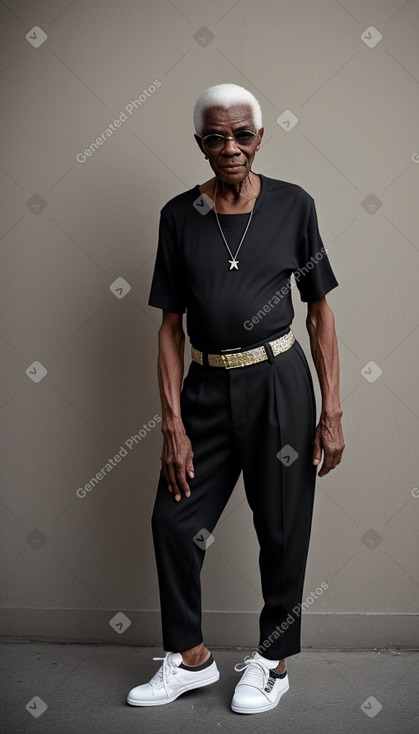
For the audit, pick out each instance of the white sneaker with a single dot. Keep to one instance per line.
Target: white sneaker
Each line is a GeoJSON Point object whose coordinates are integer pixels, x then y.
{"type": "Point", "coordinates": [171, 681]}
{"type": "Point", "coordinates": [259, 688]}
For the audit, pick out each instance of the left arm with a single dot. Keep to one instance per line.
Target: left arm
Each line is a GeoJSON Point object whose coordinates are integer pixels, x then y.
{"type": "Point", "coordinates": [320, 324]}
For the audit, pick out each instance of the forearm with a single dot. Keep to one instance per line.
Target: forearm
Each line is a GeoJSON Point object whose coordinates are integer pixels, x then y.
{"type": "Point", "coordinates": [177, 454]}
{"type": "Point", "coordinates": [170, 374]}
{"type": "Point", "coordinates": [324, 349]}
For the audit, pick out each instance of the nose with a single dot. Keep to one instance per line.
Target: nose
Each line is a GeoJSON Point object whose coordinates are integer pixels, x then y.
{"type": "Point", "coordinates": [231, 147]}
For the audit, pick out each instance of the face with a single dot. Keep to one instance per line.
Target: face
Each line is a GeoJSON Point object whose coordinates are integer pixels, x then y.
{"type": "Point", "coordinates": [231, 164]}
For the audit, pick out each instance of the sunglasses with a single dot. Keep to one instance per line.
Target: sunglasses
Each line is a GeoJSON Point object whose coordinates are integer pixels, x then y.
{"type": "Point", "coordinates": [216, 141]}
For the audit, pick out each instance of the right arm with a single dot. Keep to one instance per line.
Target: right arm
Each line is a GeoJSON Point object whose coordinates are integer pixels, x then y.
{"type": "Point", "coordinates": [177, 454]}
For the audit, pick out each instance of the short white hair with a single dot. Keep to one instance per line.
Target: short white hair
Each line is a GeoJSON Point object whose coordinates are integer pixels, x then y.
{"type": "Point", "coordinates": [225, 95]}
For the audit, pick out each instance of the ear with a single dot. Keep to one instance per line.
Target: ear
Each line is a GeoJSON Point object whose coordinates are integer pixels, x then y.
{"type": "Point", "coordinates": [260, 134]}
{"type": "Point", "coordinates": [199, 141]}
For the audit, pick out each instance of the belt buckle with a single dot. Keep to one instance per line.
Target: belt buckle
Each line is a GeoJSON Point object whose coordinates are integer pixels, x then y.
{"type": "Point", "coordinates": [230, 361]}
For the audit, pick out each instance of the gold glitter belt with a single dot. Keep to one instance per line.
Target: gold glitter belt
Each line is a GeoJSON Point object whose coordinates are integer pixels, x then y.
{"type": "Point", "coordinates": [250, 356]}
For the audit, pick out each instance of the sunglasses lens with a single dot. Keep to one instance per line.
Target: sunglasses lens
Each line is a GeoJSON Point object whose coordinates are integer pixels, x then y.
{"type": "Point", "coordinates": [244, 137]}
{"type": "Point", "coordinates": [214, 141]}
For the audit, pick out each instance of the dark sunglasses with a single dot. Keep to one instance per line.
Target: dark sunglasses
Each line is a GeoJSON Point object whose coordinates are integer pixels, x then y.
{"type": "Point", "coordinates": [242, 138]}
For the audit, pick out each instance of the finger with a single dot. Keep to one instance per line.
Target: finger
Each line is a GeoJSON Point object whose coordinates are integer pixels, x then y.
{"type": "Point", "coordinates": [324, 470]}
{"type": "Point", "coordinates": [172, 482]}
{"type": "Point", "coordinates": [332, 457]}
{"type": "Point", "coordinates": [317, 453]}
{"type": "Point", "coordinates": [190, 469]}
{"type": "Point", "coordinates": [173, 490]}
{"type": "Point", "coordinates": [166, 477]}
{"type": "Point", "coordinates": [181, 481]}
{"type": "Point", "coordinates": [329, 463]}
{"type": "Point", "coordinates": [189, 463]}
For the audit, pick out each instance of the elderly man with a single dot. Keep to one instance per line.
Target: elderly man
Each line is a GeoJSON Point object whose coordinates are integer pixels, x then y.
{"type": "Point", "coordinates": [225, 255]}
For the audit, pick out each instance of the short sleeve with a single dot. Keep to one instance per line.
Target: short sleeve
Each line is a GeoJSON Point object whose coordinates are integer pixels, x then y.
{"type": "Point", "coordinates": [167, 288]}
{"type": "Point", "coordinates": [314, 276]}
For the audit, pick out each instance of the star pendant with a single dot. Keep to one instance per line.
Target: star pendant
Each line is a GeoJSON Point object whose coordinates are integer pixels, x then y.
{"type": "Point", "coordinates": [234, 264]}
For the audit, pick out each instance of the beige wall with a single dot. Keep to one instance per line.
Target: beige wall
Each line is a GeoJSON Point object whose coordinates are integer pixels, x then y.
{"type": "Point", "coordinates": [70, 229]}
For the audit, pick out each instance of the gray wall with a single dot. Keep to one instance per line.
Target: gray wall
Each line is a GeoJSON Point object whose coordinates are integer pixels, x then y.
{"type": "Point", "coordinates": [72, 227]}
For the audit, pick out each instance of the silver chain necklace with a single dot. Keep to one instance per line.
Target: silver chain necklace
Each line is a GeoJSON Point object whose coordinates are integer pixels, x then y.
{"type": "Point", "coordinates": [234, 263]}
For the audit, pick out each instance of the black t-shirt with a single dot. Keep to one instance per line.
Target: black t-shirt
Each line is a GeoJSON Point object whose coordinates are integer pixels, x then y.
{"type": "Point", "coordinates": [225, 308]}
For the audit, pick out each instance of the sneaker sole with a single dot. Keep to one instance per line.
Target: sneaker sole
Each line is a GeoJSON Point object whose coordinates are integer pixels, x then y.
{"type": "Point", "coordinates": [198, 684]}
{"type": "Point", "coordinates": [259, 710]}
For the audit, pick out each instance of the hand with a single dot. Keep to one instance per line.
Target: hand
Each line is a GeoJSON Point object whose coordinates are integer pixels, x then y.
{"type": "Point", "coordinates": [329, 439]}
{"type": "Point", "coordinates": [177, 460]}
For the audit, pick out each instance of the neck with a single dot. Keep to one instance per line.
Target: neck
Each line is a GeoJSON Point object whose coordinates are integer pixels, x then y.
{"type": "Point", "coordinates": [239, 193]}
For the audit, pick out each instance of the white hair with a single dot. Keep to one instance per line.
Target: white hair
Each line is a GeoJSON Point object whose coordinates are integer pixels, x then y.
{"type": "Point", "coordinates": [225, 95]}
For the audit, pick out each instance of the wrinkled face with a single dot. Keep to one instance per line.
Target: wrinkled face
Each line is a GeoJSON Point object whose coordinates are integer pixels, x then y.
{"type": "Point", "coordinates": [231, 163]}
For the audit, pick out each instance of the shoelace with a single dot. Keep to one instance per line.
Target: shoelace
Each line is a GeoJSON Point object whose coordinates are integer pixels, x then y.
{"type": "Point", "coordinates": [161, 678]}
{"type": "Point", "coordinates": [256, 673]}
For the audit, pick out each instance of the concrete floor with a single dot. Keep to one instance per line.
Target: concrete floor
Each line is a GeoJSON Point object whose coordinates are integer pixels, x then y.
{"type": "Point", "coordinates": [83, 688]}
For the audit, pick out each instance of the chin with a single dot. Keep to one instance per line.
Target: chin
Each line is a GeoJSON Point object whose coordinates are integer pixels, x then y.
{"type": "Point", "coordinates": [235, 177]}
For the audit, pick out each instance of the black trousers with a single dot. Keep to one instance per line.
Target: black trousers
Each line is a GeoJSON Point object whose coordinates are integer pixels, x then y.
{"type": "Point", "coordinates": [238, 420]}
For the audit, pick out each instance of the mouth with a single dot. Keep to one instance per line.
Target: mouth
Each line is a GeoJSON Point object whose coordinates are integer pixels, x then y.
{"type": "Point", "coordinates": [232, 167]}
